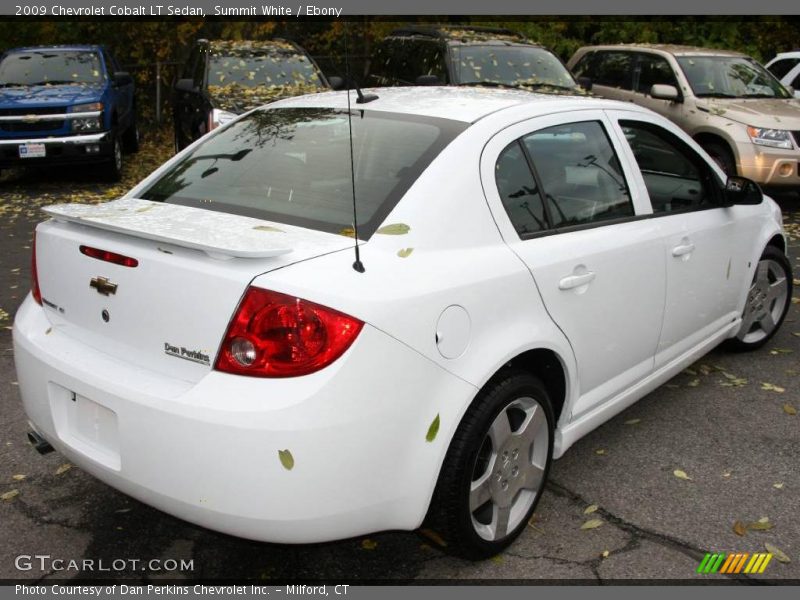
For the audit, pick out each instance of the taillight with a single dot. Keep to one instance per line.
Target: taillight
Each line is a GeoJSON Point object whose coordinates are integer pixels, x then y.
{"type": "Point", "coordinates": [35, 291]}
{"type": "Point", "coordinates": [275, 335]}
{"type": "Point", "coordinates": [112, 257]}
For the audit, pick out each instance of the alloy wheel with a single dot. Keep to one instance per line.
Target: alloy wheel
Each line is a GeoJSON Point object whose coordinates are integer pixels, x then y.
{"type": "Point", "coordinates": [766, 302]}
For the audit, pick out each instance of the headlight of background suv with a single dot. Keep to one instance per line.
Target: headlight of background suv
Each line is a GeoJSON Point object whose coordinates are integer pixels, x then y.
{"type": "Point", "coordinates": [774, 138]}
{"type": "Point", "coordinates": [89, 123]}
{"type": "Point", "coordinates": [219, 117]}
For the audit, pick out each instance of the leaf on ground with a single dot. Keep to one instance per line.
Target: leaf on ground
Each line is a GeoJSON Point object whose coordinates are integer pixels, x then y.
{"type": "Point", "coordinates": [778, 485]}
{"type": "Point", "coordinates": [432, 430]}
{"type": "Point", "coordinates": [286, 458]}
{"type": "Point", "coordinates": [600, 451]}
{"type": "Point", "coordinates": [771, 387]}
{"type": "Point", "coordinates": [9, 495]}
{"type": "Point", "coordinates": [739, 528]}
{"type": "Point", "coordinates": [368, 544]}
{"type": "Point", "coordinates": [592, 524]}
{"type": "Point", "coordinates": [681, 475]}
{"type": "Point", "coordinates": [632, 421]}
{"type": "Point", "coordinates": [762, 524]}
{"type": "Point", "coordinates": [789, 409]}
{"type": "Point", "coordinates": [780, 351]}
{"type": "Point", "coordinates": [18, 477]}
{"type": "Point", "coordinates": [590, 509]}
{"type": "Point", "coordinates": [726, 474]}
{"type": "Point", "coordinates": [779, 554]}
{"type": "Point", "coordinates": [605, 553]}
{"type": "Point", "coordinates": [63, 469]}
{"type": "Point", "coordinates": [434, 537]}
{"type": "Point", "coordinates": [693, 383]}
{"type": "Point", "coordinates": [497, 558]}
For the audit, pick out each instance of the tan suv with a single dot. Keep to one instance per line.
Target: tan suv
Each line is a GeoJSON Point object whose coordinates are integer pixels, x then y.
{"type": "Point", "coordinates": [736, 110]}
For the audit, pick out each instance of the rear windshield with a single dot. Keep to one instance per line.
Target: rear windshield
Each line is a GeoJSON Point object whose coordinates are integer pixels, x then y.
{"type": "Point", "coordinates": [292, 165]}
{"type": "Point", "coordinates": [256, 68]}
{"type": "Point", "coordinates": [510, 65]}
{"type": "Point", "coordinates": [53, 67]}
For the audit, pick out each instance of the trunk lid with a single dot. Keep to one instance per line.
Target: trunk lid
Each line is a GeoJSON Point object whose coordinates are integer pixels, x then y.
{"type": "Point", "coordinates": [170, 312]}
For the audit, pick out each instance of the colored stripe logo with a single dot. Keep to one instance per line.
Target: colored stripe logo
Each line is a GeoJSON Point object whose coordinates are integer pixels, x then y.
{"type": "Point", "coordinates": [734, 562]}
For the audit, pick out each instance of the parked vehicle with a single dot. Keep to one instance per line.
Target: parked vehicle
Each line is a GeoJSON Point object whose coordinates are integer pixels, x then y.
{"type": "Point", "coordinates": [223, 79]}
{"type": "Point", "coordinates": [63, 105]}
{"type": "Point", "coordinates": [786, 67]}
{"type": "Point", "coordinates": [463, 55]}
{"type": "Point", "coordinates": [207, 345]}
{"type": "Point", "coordinates": [733, 107]}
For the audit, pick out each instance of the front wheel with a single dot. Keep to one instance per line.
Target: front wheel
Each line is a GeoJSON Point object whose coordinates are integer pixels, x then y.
{"type": "Point", "coordinates": [768, 301]}
{"type": "Point", "coordinates": [722, 156]}
{"type": "Point", "coordinates": [495, 469]}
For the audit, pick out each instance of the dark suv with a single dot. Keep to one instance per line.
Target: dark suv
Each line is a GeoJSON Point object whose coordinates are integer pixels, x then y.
{"type": "Point", "coordinates": [223, 79]}
{"type": "Point", "coordinates": [461, 55]}
{"type": "Point", "coordinates": [66, 105]}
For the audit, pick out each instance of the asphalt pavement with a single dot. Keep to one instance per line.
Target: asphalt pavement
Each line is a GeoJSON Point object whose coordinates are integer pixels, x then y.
{"type": "Point", "coordinates": [667, 479]}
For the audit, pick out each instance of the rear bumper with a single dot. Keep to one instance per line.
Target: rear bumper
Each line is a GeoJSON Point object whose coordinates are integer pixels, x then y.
{"type": "Point", "coordinates": [70, 149]}
{"type": "Point", "coordinates": [207, 452]}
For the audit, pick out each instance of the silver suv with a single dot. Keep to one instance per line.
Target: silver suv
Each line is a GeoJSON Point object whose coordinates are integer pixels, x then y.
{"type": "Point", "coordinates": [735, 109]}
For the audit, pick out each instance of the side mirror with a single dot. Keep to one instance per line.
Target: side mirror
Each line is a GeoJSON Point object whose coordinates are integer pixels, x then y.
{"type": "Point", "coordinates": [740, 190]}
{"type": "Point", "coordinates": [585, 83]}
{"type": "Point", "coordinates": [336, 82]}
{"type": "Point", "coordinates": [185, 85]}
{"type": "Point", "coordinates": [427, 80]}
{"type": "Point", "coordinates": [122, 78]}
{"type": "Point", "coordinates": [662, 91]}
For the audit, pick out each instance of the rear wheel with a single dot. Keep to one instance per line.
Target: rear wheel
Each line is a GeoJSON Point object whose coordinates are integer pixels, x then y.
{"type": "Point", "coordinates": [113, 167]}
{"type": "Point", "coordinates": [768, 301]}
{"type": "Point", "coordinates": [721, 155]}
{"type": "Point", "coordinates": [131, 138]}
{"type": "Point", "coordinates": [495, 469]}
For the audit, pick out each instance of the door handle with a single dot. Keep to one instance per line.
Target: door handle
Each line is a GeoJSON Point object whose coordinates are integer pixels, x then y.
{"type": "Point", "coordinates": [573, 281]}
{"type": "Point", "coordinates": [683, 249]}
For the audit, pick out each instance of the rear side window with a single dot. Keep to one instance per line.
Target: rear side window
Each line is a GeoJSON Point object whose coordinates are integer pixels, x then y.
{"type": "Point", "coordinates": [613, 69]}
{"type": "Point", "coordinates": [292, 165]}
{"type": "Point", "coordinates": [399, 61]}
{"type": "Point", "coordinates": [676, 177]}
{"type": "Point", "coordinates": [781, 67]}
{"type": "Point", "coordinates": [519, 192]}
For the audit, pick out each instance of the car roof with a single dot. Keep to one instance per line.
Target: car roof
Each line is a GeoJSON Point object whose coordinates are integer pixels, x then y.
{"type": "Point", "coordinates": [465, 35]}
{"type": "Point", "coordinates": [789, 54]}
{"type": "Point", "coordinates": [674, 49]}
{"type": "Point", "coordinates": [466, 104]}
{"type": "Point", "coordinates": [63, 47]}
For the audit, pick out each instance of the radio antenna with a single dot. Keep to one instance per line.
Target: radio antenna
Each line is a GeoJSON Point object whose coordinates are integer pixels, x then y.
{"type": "Point", "coordinates": [357, 265]}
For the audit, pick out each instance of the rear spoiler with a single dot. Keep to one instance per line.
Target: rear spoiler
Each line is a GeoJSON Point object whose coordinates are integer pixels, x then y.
{"type": "Point", "coordinates": [220, 235]}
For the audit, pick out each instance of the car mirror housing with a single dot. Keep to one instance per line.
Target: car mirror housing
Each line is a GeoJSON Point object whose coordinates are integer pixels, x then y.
{"type": "Point", "coordinates": [185, 85]}
{"type": "Point", "coordinates": [122, 78]}
{"type": "Point", "coordinates": [663, 91]}
{"type": "Point", "coordinates": [585, 83]}
{"type": "Point", "coordinates": [740, 190]}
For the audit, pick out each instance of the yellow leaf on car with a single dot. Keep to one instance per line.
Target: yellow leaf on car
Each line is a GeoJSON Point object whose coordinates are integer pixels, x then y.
{"type": "Point", "coordinates": [286, 458]}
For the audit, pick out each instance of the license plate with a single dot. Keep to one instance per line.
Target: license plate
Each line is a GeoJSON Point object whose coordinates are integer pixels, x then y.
{"type": "Point", "coordinates": [32, 151]}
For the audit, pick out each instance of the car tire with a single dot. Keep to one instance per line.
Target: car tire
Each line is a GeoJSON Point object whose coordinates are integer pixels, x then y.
{"type": "Point", "coordinates": [131, 138]}
{"type": "Point", "coordinates": [767, 303]}
{"type": "Point", "coordinates": [722, 155]}
{"type": "Point", "coordinates": [495, 468]}
{"type": "Point", "coordinates": [113, 167]}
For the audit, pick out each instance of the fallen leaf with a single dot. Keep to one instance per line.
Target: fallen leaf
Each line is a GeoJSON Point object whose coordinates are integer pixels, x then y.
{"type": "Point", "coordinates": [394, 229]}
{"type": "Point", "coordinates": [771, 387]}
{"type": "Point", "coordinates": [368, 544]}
{"type": "Point", "coordinates": [739, 528]}
{"type": "Point", "coordinates": [287, 460]}
{"type": "Point", "coordinates": [497, 558]}
{"type": "Point", "coordinates": [405, 252]}
{"type": "Point", "coordinates": [778, 485]}
{"type": "Point", "coordinates": [592, 524]}
{"type": "Point", "coordinates": [9, 495]}
{"type": "Point", "coordinates": [600, 451]}
{"type": "Point", "coordinates": [789, 409]}
{"type": "Point", "coordinates": [434, 537]}
{"type": "Point", "coordinates": [605, 553]}
{"type": "Point", "coordinates": [762, 524]}
{"type": "Point", "coordinates": [18, 477]}
{"type": "Point", "coordinates": [693, 383]}
{"type": "Point", "coordinates": [726, 474]}
{"type": "Point", "coordinates": [268, 228]}
{"type": "Point", "coordinates": [590, 509]}
{"type": "Point", "coordinates": [63, 469]}
{"type": "Point", "coordinates": [632, 421]}
{"type": "Point", "coordinates": [681, 475]}
{"type": "Point", "coordinates": [432, 430]}
{"type": "Point", "coordinates": [779, 554]}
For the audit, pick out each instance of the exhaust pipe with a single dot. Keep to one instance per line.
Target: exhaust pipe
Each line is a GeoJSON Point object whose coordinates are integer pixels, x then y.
{"type": "Point", "coordinates": [41, 445]}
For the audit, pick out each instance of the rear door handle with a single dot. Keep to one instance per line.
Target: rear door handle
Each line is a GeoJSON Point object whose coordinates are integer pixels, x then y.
{"type": "Point", "coordinates": [574, 281]}
{"type": "Point", "coordinates": [683, 249]}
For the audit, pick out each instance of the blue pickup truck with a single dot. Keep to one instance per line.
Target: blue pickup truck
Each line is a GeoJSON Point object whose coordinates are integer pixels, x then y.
{"type": "Point", "coordinates": [66, 105]}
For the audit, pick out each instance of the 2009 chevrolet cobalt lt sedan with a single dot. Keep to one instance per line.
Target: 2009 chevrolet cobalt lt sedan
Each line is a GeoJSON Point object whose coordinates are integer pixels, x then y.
{"type": "Point", "coordinates": [529, 267]}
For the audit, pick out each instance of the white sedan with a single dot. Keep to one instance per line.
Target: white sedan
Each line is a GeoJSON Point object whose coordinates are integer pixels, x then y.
{"type": "Point", "coordinates": [529, 267]}
{"type": "Point", "coordinates": [786, 67]}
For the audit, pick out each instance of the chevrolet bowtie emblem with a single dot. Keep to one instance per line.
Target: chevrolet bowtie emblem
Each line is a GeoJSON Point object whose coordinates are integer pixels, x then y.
{"type": "Point", "coordinates": [103, 286]}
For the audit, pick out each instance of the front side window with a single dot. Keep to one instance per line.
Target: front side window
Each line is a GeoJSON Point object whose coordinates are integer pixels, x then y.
{"type": "Point", "coordinates": [730, 77]}
{"type": "Point", "coordinates": [653, 70]}
{"type": "Point", "coordinates": [579, 173]}
{"type": "Point", "coordinates": [614, 69]}
{"type": "Point", "coordinates": [516, 65]}
{"type": "Point", "coordinates": [676, 177]}
{"type": "Point", "coordinates": [292, 165]}
{"type": "Point", "coordinates": [51, 67]}
{"type": "Point", "coordinates": [519, 192]}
